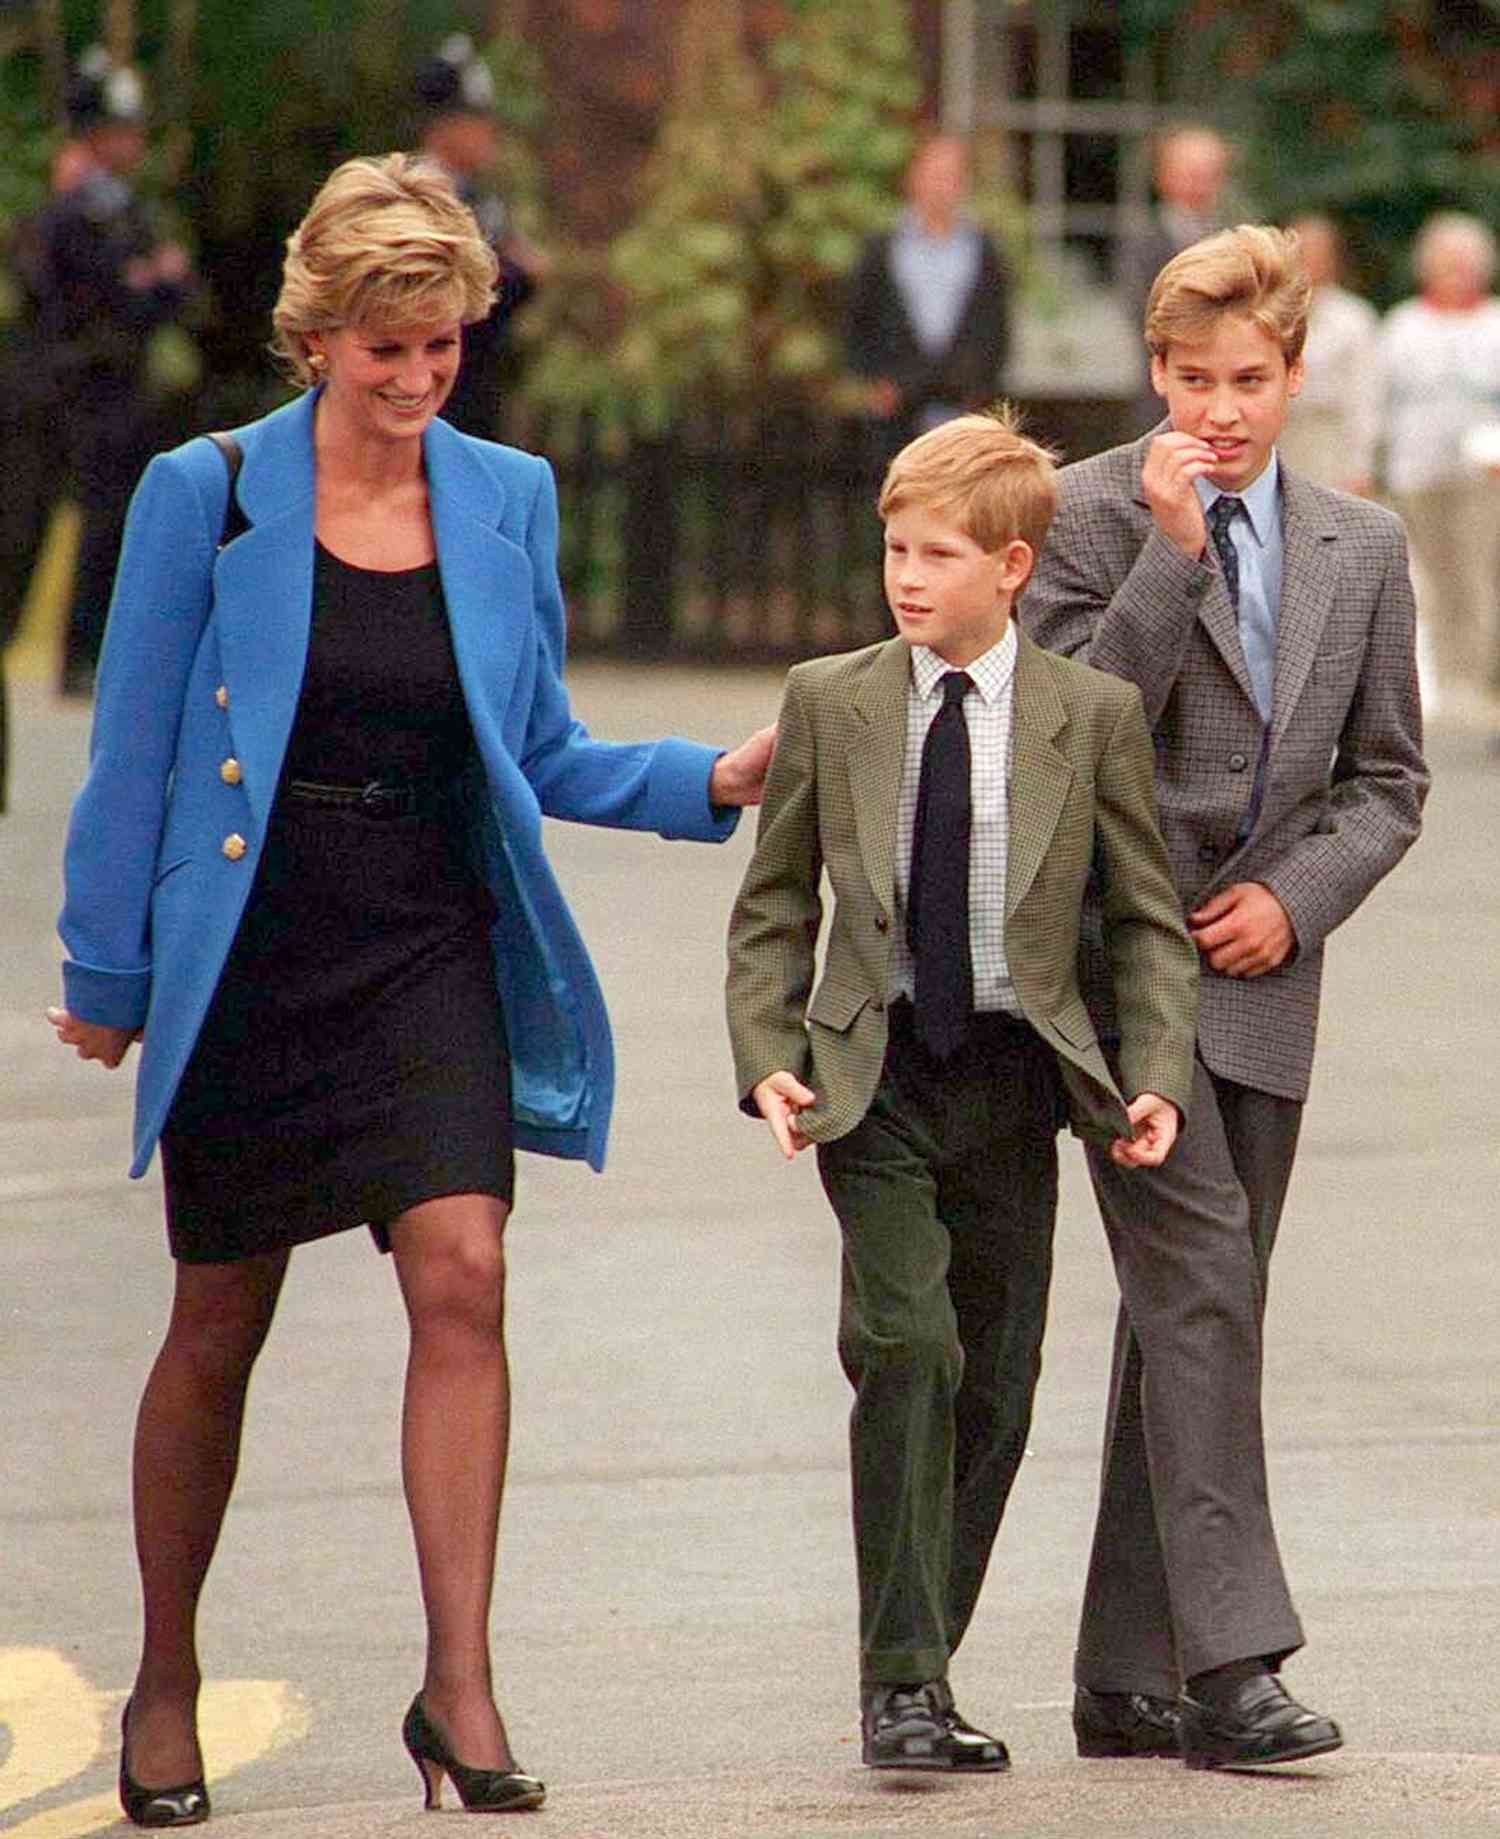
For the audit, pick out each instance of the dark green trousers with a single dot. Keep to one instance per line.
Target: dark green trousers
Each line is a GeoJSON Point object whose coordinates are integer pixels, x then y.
{"type": "Point", "coordinates": [946, 1193]}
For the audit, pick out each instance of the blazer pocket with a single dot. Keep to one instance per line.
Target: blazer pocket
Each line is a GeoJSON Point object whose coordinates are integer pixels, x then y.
{"type": "Point", "coordinates": [836, 1006]}
{"type": "Point", "coordinates": [169, 868]}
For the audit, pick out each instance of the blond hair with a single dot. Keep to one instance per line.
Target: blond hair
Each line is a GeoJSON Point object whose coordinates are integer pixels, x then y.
{"type": "Point", "coordinates": [1254, 272]}
{"type": "Point", "coordinates": [385, 242]}
{"type": "Point", "coordinates": [981, 471]}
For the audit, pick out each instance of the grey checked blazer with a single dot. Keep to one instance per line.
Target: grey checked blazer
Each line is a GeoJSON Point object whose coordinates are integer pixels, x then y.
{"type": "Point", "coordinates": [1345, 778]}
{"type": "Point", "coordinates": [1080, 800]}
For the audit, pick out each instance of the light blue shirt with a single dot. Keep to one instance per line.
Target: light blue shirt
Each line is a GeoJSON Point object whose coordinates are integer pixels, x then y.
{"type": "Point", "coordinates": [934, 276]}
{"type": "Point", "coordinates": [1257, 540]}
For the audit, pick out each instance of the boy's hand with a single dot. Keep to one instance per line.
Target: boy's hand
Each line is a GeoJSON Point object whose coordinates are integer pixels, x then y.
{"type": "Point", "coordinates": [779, 1097]}
{"type": "Point", "coordinates": [1156, 1121]}
{"type": "Point", "coordinates": [739, 777]}
{"type": "Point", "coordinates": [93, 1040]}
{"type": "Point", "coordinates": [1243, 931]}
{"type": "Point", "coordinates": [1173, 462]}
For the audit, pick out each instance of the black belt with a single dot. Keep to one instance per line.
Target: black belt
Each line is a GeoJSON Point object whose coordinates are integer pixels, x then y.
{"type": "Point", "coordinates": [373, 799]}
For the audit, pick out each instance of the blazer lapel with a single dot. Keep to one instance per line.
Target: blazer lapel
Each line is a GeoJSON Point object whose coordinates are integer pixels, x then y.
{"type": "Point", "coordinates": [483, 572]}
{"type": "Point", "coordinates": [1309, 576]}
{"type": "Point", "coordinates": [1216, 611]}
{"type": "Point", "coordinates": [877, 755]}
{"type": "Point", "coordinates": [263, 585]}
{"type": "Point", "coordinates": [1040, 778]}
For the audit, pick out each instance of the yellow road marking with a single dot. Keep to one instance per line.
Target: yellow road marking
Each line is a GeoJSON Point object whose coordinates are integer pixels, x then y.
{"type": "Point", "coordinates": [53, 1715]}
{"type": "Point", "coordinates": [44, 611]}
{"type": "Point", "coordinates": [239, 1721]}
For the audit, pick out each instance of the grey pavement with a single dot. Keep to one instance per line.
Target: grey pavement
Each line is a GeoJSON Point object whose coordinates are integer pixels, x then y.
{"type": "Point", "coordinates": [674, 1619]}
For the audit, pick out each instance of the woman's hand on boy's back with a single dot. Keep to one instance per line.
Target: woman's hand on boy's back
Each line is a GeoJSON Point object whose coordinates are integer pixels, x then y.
{"type": "Point", "coordinates": [739, 776]}
{"type": "Point", "coordinates": [779, 1098]}
{"type": "Point", "coordinates": [1156, 1121]}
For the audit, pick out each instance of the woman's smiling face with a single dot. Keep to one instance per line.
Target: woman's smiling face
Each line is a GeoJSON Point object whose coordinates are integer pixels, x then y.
{"type": "Point", "coordinates": [386, 381]}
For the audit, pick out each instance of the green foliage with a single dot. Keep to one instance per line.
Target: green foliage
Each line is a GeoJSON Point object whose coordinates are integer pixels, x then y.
{"type": "Point", "coordinates": [723, 294]}
{"type": "Point", "coordinates": [1375, 111]}
{"type": "Point", "coordinates": [689, 264]}
{"type": "Point", "coordinates": [840, 132]}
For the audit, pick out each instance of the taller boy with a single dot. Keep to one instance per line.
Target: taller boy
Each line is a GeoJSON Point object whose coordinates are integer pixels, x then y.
{"type": "Point", "coordinates": [1268, 624]}
{"type": "Point", "coordinates": [957, 785]}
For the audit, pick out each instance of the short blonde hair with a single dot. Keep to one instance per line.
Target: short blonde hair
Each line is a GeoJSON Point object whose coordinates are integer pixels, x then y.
{"type": "Point", "coordinates": [386, 241]}
{"type": "Point", "coordinates": [981, 471]}
{"type": "Point", "coordinates": [1254, 272]}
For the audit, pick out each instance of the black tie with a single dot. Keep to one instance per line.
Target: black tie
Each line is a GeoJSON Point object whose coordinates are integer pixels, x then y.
{"type": "Point", "coordinates": [1221, 514]}
{"type": "Point", "coordinates": [938, 895]}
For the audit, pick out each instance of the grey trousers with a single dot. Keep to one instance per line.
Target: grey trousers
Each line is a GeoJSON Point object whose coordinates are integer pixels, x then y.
{"type": "Point", "coordinates": [1185, 1574]}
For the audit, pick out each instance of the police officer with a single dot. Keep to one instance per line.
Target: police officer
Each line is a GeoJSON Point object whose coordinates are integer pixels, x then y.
{"type": "Point", "coordinates": [455, 97]}
{"type": "Point", "coordinates": [102, 283]}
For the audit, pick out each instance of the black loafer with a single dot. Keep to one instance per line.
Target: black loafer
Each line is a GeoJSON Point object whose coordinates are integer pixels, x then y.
{"type": "Point", "coordinates": [919, 1727]}
{"type": "Point", "coordinates": [1257, 1723]}
{"type": "Point", "coordinates": [1125, 1724]}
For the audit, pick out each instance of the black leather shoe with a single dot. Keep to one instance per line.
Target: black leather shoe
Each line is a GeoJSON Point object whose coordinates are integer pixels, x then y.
{"type": "Point", "coordinates": [480, 1790]}
{"type": "Point", "coordinates": [185, 1805]}
{"type": "Point", "coordinates": [1125, 1724]}
{"type": "Point", "coordinates": [919, 1727]}
{"type": "Point", "coordinates": [1256, 1723]}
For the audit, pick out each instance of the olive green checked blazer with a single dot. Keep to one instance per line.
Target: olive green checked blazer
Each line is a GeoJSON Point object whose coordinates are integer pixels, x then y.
{"type": "Point", "coordinates": [1081, 800]}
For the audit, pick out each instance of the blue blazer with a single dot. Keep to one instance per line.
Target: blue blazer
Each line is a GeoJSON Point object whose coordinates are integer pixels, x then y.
{"type": "Point", "coordinates": [198, 685]}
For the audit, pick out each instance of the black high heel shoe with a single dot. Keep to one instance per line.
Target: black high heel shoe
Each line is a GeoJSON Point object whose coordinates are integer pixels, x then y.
{"type": "Point", "coordinates": [184, 1806]}
{"type": "Point", "coordinates": [480, 1790]}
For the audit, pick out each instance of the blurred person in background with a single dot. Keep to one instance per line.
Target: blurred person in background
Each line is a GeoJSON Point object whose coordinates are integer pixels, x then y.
{"type": "Point", "coordinates": [1440, 391]}
{"type": "Point", "coordinates": [101, 283]}
{"type": "Point", "coordinates": [1189, 166]}
{"type": "Point", "coordinates": [306, 870]}
{"type": "Point", "coordinates": [28, 419]}
{"type": "Point", "coordinates": [927, 322]}
{"type": "Point", "coordinates": [455, 97]}
{"type": "Point", "coordinates": [1331, 427]}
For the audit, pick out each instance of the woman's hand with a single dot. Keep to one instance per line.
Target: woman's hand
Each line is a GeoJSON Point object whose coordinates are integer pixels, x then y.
{"type": "Point", "coordinates": [93, 1040]}
{"type": "Point", "coordinates": [739, 777]}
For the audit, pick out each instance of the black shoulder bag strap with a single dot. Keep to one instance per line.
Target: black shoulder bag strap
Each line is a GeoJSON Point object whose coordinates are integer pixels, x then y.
{"type": "Point", "coordinates": [235, 521]}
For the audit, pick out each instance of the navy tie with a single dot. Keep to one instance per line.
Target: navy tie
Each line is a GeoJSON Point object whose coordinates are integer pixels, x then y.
{"type": "Point", "coordinates": [938, 894]}
{"type": "Point", "coordinates": [1221, 514]}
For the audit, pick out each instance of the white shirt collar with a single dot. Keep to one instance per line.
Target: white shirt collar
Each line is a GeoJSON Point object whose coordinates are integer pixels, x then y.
{"type": "Point", "coordinates": [991, 670]}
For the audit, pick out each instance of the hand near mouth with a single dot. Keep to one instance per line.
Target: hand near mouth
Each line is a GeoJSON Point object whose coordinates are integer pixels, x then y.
{"type": "Point", "coordinates": [1173, 462]}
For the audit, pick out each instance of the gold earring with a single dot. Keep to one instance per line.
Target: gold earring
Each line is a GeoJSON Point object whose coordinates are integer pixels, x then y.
{"type": "Point", "coordinates": [316, 360]}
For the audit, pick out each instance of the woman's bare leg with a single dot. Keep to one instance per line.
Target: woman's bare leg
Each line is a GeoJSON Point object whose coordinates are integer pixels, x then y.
{"type": "Point", "coordinates": [450, 1261]}
{"type": "Point", "coordinates": [187, 1446]}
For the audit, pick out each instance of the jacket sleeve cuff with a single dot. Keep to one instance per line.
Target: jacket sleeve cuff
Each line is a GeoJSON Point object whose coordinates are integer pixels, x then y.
{"type": "Point", "coordinates": [679, 791]}
{"type": "Point", "coordinates": [113, 999]}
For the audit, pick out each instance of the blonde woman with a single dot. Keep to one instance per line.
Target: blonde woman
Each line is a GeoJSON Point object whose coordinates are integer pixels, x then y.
{"type": "Point", "coordinates": [306, 871]}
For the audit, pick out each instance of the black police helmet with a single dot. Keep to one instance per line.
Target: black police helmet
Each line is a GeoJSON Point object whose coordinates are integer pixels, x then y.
{"type": "Point", "coordinates": [101, 91]}
{"type": "Point", "coordinates": [455, 80]}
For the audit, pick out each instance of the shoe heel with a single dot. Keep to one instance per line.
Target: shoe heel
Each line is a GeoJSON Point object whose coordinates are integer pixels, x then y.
{"type": "Point", "coordinates": [1103, 1746]}
{"type": "Point", "coordinates": [432, 1783]}
{"type": "Point", "coordinates": [480, 1790]}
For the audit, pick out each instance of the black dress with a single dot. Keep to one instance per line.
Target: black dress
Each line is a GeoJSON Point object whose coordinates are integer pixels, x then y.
{"type": "Point", "coordinates": [353, 1060]}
